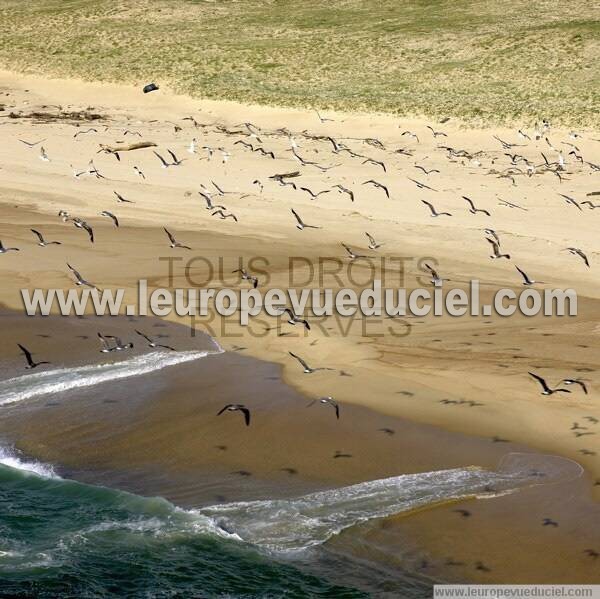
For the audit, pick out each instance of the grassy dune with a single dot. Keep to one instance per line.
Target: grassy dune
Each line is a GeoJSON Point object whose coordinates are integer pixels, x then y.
{"type": "Point", "coordinates": [489, 61]}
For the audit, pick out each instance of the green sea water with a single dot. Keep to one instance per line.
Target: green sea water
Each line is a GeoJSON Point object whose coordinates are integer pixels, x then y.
{"type": "Point", "coordinates": [62, 538]}
{"type": "Point", "coordinates": [59, 538]}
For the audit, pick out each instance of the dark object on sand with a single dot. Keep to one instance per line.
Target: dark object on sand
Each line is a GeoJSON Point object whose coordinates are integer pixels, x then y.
{"type": "Point", "coordinates": [150, 87]}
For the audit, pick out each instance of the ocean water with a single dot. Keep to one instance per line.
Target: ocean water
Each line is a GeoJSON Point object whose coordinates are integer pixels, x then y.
{"type": "Point", "coordinates": [62, 538]}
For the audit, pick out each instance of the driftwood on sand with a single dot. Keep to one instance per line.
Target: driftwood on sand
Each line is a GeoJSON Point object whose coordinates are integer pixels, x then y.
{"type": "Point", "coordinates": [136, 146]}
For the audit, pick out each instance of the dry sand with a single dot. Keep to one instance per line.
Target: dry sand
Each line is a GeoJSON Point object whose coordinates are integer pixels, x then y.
{"type": "Point", "coordinates": [475, 359]}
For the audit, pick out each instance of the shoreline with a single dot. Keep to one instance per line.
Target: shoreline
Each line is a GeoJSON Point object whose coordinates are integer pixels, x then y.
{"type": "Point", "coordinates": [481, 361]}
{"type": "Point", "coordinates": [153, 435]}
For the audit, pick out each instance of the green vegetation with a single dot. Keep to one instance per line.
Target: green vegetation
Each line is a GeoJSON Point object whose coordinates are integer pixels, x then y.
{"type": "Point", "coordinates": [489, 61]}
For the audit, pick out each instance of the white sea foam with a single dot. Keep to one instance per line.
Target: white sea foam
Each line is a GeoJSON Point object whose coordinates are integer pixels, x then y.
{"type": "Point", "coordinates": [58, 380]}
{"type": "Point", "coordinates": [297, 524]}
{"type": "Point", "coordinates": [9, 457]}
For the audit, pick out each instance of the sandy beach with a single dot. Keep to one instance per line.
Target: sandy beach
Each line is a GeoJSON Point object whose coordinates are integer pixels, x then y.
{"type": "Point", "coordinates": [388, 373]}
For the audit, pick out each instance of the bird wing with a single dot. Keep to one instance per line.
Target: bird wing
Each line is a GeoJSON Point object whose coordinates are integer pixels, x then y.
{"type": "Point", "coordinates": [26, 353]}
{"type": "Point", "coordinates": [103, 341]}
{"type": "Point", "coordinates": [304, 364]}
{"type": "Point", "coordinates": [171, 238]}
{"type": "Point", "coordinates": [430, 206]}
{"type": "Point", "coordinates": [470, 202]}
{"type": "Point", "coordinates": [38, 235]}
{"type": "Point", "coordinates": [224, 408]}
{"type": "Point", "coordinates": [541, 381]}
{"type": "Point", "coordinates": [144, 336]}
{"type": "Point", "coordinates": [309, 191]}
{"type": "Point", "coordinates": [297, 217]}
{"type": "Point", "coordinates": [494, 245]}
{"type": "Point", "coordinates": [217, 187]}
{"type": "Point", "coordinates": [164, 162]}
{"type": "Point", "coordinates": [75, 273]}
{"type": "Point", "coordinates": [246, 413]}
{"type": "Point", "coordinates": [523, 274]}
{"type": "Point", "coordinates": [89, 230]}
{"type": "Point", "coordinates": [432, 271]}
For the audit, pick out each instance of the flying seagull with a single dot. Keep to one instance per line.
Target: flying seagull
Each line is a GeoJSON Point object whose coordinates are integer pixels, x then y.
{"type": "Point", "coordinates": [378, 185]}
{"type": "Point", "coordinates": [90, 130]}
{"type": "Point", "coordinates": [121, 199]}
{"type": "Point", "coordinates": [578, 252]}
{"type": "Point", "coordinates": [81, 224]}
{"type": "Point", "coordinates": [301, 224]}
{"type": "Point", "coordinates": [247, 276]}
{"type": "Point", "coordinates": [306, 368]}
{"type": "Point", "coordinates": [79, 280]}
{"type": "Point", "coordinates": [410, 134]}
{"type": "Point", "coordinates": [496, 249]}
{"type": "Point", "coordinates": [312, 194]}
{"type": "Point", "coordinates": [547, 390]}
{"type": "Point", "coordinates": [174, 242]}
{"type": "Point", "coordinates": [505, 144]}
{"type": "Point", "coordinates": [376, 163]}
{"type": "Point", "coordinates": [434, 212]}
{"type": "Point", "coordinates": [342, 189]}
{"type": "Point", "coordinates": [295, 319]}
{"type": "Point", "coordinates": [351, 253]}
{"type": "Point", "coordinates": [209, 205]}
{"type": "Point", "coordinates": [237, 407]}
{"type": "Point", "coordinates": [30, 362]}
{"type": "Point", "coordinates": [4, 250]}
{"type": "Point", "coordinates": [118, 344]}
{"type": "Point", "coordinates": [511, 205]}
{"type": "Point", "coordinates": [110, 215]}
{"type": "Point", "coordinates": [436, 279]}
{"type": "Point", "coordinates": [32, 144]}
{"type": "Point", "coordinates": [526, 279]}
{"type": "Point", "coordinates": [152, 343]}
{"type": "Point", "coordinates": [427, 172]}
{"type": "Point", "coordinates": [436, 133]}
{"type": "Point", "coordinates": [373, 245]}
{"type": "Point", "coordinates": [42, 242]}
{"type": "Point", "coordinates": [421, 185]}
{"type": "Point", "coordinates": [328, 401]}
{"type": "Point", "coordinates": [223, 216]}
{"type": "Point", "coordinates": [322, 118]}
{"type": "Point", "coordinates": [472, 208]}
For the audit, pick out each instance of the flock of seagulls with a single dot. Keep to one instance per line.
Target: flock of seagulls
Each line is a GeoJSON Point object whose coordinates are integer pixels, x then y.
{"type": "Point", "coordinates": [510, 163]}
